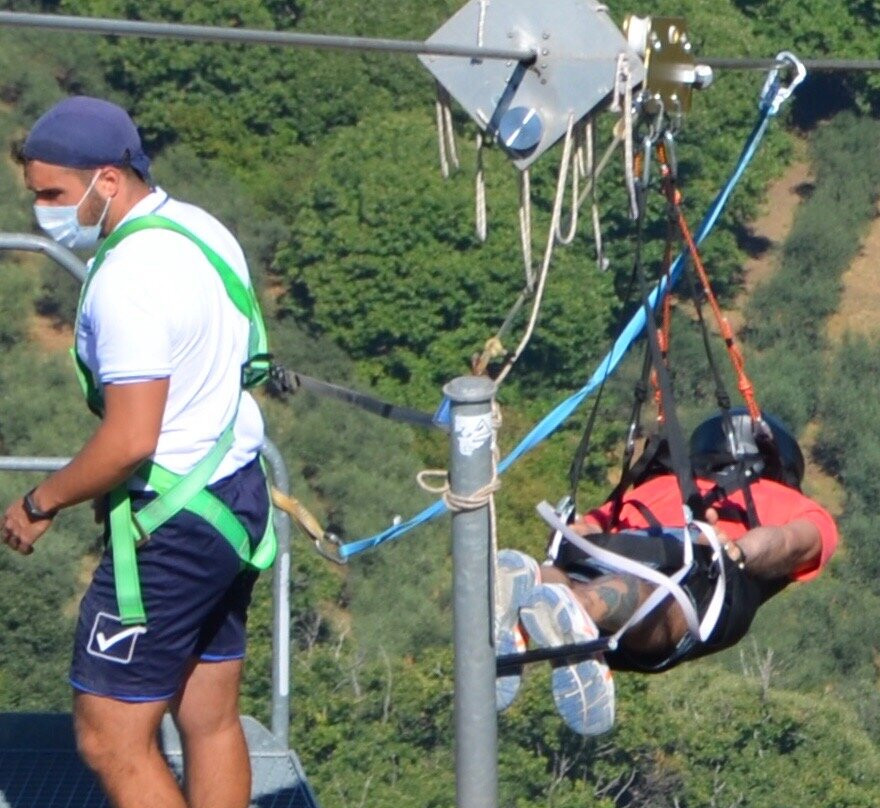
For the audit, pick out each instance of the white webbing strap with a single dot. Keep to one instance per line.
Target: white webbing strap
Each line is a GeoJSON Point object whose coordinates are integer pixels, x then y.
{"type": "Point", "coordinates": [666, 584]}
{"type": "Point", "coordinates": [713, 611]}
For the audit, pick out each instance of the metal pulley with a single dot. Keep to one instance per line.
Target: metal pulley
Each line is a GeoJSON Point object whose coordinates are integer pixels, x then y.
{"type": "Point", "coordinates": [526, 106]}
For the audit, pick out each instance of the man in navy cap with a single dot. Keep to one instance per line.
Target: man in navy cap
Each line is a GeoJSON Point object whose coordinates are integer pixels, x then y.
{"type": "Point", "coordinates": [164, 331]}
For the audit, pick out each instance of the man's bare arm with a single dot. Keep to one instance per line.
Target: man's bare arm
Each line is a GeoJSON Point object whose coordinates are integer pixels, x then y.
{"type": "Point", "coordinates": [779, 551]}
{"type": "Point", "coordinates": [126, 436]}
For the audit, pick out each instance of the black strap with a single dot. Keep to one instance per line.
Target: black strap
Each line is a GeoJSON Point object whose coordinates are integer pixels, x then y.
{"type": "Point", "coordinates": [656, 454]}
{"type": "Point", "coordinates": [288, 381]}
{"type": "Point", "coordinates": [576, 470]}
{"type": "Point", "coordinates": [739, 478]}
{"type": "Point", "coordinates": [672, 428]}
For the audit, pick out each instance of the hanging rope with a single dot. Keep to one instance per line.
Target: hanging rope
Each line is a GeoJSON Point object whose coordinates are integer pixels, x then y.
{"type": "Point", "coordinates": [525, 225]}
{"type": "Point", "coordinates": [623, 95]}
{"type": "Point", "coordinates": [578, 170]}
{"type": "Point", "coordinates": [445, 132]}
{"type": "Point", "coordinates": [548, 254]}
{"type": "Point", "coordinates": [480, 192]}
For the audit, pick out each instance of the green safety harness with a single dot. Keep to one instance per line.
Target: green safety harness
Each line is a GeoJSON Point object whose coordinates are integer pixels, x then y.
{"type": "Point", "coordinates": [178, 492]}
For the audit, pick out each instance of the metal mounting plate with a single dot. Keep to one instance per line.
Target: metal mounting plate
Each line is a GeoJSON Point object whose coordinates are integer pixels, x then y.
{"type": "Point", "coordinates": [577, 46]}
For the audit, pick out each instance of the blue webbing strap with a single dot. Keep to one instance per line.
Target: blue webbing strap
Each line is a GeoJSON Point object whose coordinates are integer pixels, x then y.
{"type": "Point", "coordinates": [771, 97]}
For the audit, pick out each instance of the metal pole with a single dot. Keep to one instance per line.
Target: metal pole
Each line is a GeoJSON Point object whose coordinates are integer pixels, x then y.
{"type": "Point", "coordinates": [10, 463]}
{"type": "Point", "coordinates": [254, 36]}
{"type": "Point", "coordinates": [281, 604]}
{"type": "Point", "coordinates": [470, 469]}
{"type": "Point", "coordinates": [31, 243]}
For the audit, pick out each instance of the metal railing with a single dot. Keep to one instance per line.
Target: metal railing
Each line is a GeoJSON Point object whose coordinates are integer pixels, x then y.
{"type": "Point", "coordinates": [280, 706]}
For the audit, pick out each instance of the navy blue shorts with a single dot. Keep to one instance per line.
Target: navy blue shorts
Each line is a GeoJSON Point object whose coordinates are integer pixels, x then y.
{"type": "Point", "coordinates": [195, 593]}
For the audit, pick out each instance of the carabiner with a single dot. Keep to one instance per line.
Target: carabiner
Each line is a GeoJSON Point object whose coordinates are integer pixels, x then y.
{"type": "Point", "coordinates": [565, 511]}
{"type": "Point", "coordinates": [670, 154]}
{"type": "Point", "coordinates": [775, 93]}
{"type": "Point", "coordinates": [328, 546]}
{"type": "Point", "coordinates": [647, 153]}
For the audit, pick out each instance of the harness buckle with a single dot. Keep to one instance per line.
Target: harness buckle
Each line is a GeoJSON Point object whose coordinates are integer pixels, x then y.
{"type": "Point", "coordinates": [328, 546]}
{"type": "Point", "coordinates": [281, 380]}
{"type": "Point", "coordinates": [564, 510]}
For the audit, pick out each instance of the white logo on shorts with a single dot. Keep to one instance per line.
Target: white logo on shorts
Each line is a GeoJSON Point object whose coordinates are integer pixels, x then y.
{"type": "Point", "coordinates": [111, 640]}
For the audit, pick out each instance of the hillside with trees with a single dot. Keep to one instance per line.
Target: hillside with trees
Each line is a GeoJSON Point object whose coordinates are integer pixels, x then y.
{"type": "Point", "coordinates": [324, 164]}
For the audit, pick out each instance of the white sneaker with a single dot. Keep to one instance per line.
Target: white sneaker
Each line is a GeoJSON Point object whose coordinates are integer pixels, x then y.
{"type": "Point", "coordinates": [584, 691]}
{"type": "Point", "coordinates": [517, 574]}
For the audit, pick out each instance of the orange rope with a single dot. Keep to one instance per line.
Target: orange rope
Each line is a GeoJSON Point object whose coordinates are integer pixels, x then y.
{"type": "Point", "coordinates": [745, 385]}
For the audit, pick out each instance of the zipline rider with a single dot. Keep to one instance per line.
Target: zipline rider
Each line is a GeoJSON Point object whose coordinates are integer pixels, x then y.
{"type": "Point", "coordinates": [166, 330]}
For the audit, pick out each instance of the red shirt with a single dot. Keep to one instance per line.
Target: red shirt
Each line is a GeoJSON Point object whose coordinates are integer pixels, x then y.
{"type": "Point", "coordinates": [776, 504]}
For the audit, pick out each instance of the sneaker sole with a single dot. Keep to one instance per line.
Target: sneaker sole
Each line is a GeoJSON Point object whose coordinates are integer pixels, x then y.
{"type": "Point", "coordinates": [514, 585]}
{"type": "Point", "coordinates": [583, 692]}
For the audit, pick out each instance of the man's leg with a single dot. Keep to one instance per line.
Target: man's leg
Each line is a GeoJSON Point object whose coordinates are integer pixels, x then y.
{"type": "Point", "coordinates": [612, 599]}
{"type": "Point", "coordinates": [217, 769]}
{"type": "Point", "coordinates": [118, 741]}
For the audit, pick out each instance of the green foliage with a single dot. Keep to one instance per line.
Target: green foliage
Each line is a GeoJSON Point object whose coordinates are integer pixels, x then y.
{"type": "Point", "coordinates": [378, 223]}
{"type": "Point", "coordinates": [689, 738]}
{"type": "Point", "coordinates": [324, 166]}
{"type": "Point", "coordinates": [788, 312]}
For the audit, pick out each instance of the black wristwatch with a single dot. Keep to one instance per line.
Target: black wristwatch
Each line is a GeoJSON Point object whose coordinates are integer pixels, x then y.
{"type": "Point", "coordinates": [31, 509]}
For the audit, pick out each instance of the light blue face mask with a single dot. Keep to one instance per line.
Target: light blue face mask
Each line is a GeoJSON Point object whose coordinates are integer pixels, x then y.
{"type": "Point", "coordinates": [61, 222]}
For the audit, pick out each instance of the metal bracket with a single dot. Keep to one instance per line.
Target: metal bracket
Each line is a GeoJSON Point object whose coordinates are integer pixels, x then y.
{"type": "Point", "coordinates": [672, 73]}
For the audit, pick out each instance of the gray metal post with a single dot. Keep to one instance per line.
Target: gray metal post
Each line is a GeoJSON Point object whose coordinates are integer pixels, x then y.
{"type": "Point", "coordinates": [470, 469]}
{"type": "Point", "coordinates": [281, 604]}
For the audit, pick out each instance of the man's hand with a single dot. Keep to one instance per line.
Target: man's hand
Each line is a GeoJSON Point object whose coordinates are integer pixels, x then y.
{"type": "Point", "coordinates": [585, 527]}
{"type": "Point", "coordinates": [19, 530]}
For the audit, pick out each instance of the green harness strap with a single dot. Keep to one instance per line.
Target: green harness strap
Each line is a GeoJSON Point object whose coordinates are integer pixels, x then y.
{"type": "Point", "coordinates": [179, 492]}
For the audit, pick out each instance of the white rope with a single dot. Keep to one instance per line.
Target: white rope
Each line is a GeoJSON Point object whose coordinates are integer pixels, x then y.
{"type": "Point", "coordinates": [623, 93]}
{"type": "Point", "coordinates": [602, 165]}
{"type": "Point", "coordinates": [548, 252]}
{"type": "Point", "coordinates": [480, 192]}
{"type": "Point", "coordinates": [578, 170]}
{"type": "Point", "coordinates": [592, 180]}
{"type": "Point", "coordinates": [525, 225]}
{"type": "Point", "coordinates": [445, 132]}
{"type": "Point", "coordinates": [458, 503]}
{"type": "Point", "coordinates": [481, 22]}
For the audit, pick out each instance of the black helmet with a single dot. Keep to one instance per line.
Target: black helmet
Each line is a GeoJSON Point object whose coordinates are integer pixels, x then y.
{"type": "Point", "coordinates": [772, 454]}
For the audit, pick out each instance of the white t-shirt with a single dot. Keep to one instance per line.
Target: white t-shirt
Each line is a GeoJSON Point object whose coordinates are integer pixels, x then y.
{"type": "Point", "coordinates": [156, 308]}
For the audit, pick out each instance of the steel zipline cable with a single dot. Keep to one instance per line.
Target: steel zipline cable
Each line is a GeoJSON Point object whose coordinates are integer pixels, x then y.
{"type": "Point", "coordinates": [812, 65]}
{"type": "Point", "coordinates": [254, 36]}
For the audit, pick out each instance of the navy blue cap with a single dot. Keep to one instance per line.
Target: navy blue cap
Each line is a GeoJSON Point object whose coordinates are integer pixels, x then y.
{"type": "Point", "coordinates": [84, 132]}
